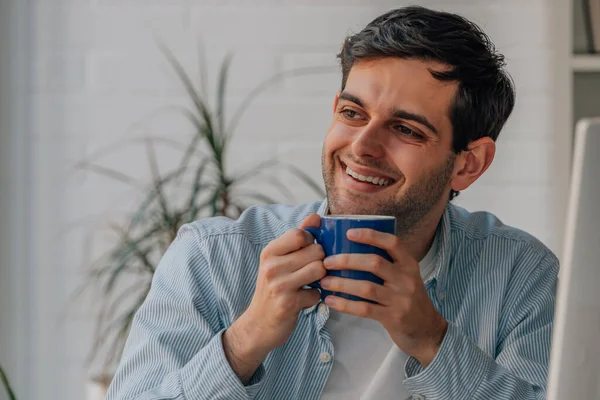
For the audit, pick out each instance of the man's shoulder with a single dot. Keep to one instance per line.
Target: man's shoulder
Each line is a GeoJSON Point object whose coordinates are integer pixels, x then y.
{"type": "Point", "coordinates": [257, 224]}
{"type": "Point", "coordinates": [484, 226]}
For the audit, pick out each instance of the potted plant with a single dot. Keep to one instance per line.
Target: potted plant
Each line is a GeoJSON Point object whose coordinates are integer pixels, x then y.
{"type": "Point", "coordinates": [6, 384]}
{"type": "Point", "coordinates": [124, 274]}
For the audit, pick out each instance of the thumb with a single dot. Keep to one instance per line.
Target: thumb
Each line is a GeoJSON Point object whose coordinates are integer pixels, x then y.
{"type": "Point", "coordinates": [313, 220]}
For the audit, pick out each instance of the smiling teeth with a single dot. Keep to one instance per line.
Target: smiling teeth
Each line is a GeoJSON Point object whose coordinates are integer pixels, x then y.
{"type": "Point", "coordinates": [374, 180]}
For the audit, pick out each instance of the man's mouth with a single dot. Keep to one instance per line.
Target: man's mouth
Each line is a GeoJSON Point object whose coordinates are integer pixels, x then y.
{"type": "Point", "coordinates": [374, 180]}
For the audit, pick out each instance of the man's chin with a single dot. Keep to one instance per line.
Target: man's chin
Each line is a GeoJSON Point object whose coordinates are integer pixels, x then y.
{"type": "Point", "coordinates": [352, 206]}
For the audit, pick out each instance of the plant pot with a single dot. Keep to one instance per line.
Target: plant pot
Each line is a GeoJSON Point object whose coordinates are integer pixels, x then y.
{"type": "Point", "coordinates": [97, 387]}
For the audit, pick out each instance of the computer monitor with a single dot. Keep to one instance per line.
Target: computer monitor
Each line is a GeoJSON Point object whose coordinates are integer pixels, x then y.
{"type": "Point", "coordinates": [575, 357]}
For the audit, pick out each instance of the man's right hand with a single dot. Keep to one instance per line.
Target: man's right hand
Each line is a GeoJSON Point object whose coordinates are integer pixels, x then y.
{"type": "Point", "coordinates": [287, 264]}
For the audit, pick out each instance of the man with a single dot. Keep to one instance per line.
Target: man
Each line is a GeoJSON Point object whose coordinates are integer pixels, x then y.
{"type": "Point", "coordinates": [466, 308]}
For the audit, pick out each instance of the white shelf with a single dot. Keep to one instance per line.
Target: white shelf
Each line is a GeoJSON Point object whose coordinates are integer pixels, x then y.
{"type": "Point", "coordinates": [585, 63]}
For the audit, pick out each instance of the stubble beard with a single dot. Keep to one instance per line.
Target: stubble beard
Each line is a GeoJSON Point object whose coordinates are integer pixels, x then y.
{"type": "Point", "coordinates": [409, 209]}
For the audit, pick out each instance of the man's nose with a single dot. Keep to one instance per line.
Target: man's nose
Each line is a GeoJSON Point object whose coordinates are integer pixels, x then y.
{"type": "Point", "coordinates": [368, 142]}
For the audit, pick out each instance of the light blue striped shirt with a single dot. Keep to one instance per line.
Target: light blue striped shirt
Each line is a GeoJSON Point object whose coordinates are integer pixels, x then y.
{"type": "Point", "coordinates": [494, 284]}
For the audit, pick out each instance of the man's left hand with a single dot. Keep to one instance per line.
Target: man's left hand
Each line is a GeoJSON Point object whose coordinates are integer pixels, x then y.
{"type": "Point", "coordinates": [403, 307]}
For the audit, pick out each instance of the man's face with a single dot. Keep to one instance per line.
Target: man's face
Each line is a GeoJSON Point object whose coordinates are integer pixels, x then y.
{"type": "Point", "coordinates": [391, 125]}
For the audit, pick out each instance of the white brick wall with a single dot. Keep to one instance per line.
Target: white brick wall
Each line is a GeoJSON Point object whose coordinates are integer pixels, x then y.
{"type": "Point", "coordinates": [98, 73]}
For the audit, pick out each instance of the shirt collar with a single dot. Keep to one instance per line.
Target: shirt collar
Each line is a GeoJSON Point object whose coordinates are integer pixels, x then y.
{"type": "Point", "coordinates": [323, 209]}
{"type": "Point", "coordinates": [440, 273]}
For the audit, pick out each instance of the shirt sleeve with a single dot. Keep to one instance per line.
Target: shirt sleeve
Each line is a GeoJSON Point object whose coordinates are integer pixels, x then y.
{"type": "Point", "coordinates": [175, 349]}
{"type": "Point", "coordinates": [461, 370]}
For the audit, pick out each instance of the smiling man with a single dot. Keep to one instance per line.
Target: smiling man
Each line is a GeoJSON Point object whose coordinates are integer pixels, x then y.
{"type": "Point", "coordinates": [467, 303]}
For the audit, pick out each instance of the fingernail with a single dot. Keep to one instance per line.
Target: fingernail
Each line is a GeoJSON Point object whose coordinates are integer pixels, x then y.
{"type": "Point", "coordinates": [327, 261]}
{"type": "Point", "coordinates": [352, 233]}
{"type": "Point", "coordinates": [330, 300]}
{"type": "Point", "coordinates": [325, 281]}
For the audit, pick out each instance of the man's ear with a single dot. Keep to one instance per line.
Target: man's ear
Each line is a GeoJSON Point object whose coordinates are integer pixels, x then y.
{"type": "Point", "coordinates": [335, 101]}
{"type": "Point", "coordinates": [472, 163]}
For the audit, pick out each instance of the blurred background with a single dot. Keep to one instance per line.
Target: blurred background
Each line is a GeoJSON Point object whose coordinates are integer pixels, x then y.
{"type": "Point", "coordinates": [122, 119]}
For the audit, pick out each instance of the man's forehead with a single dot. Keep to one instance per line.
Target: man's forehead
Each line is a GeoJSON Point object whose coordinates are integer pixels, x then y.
{"type": "Point", "coordinates": [392, 86]}
{"type": "Point", "coordinates": [391, 70]}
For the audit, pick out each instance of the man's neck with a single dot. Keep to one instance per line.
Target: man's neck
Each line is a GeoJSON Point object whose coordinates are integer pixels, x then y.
{"type": "Point", "coordinates": [419, 240]}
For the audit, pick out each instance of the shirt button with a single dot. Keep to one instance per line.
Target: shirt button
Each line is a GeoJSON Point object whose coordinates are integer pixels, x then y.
{"type": "Point", "coordinates": [325, 357]}
{"type": "Point", "coordinates": [418, 397]}
{"type": "Point", "coordinates": [322, 309]}
{"type": "Point", "coordinates": [442, 296]}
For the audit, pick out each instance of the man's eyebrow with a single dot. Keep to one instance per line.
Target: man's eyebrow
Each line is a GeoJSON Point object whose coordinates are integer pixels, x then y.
{"type": "Point", "coordinates": [350, 97]}
{"type": "Point", "coordinates": [403, 114]}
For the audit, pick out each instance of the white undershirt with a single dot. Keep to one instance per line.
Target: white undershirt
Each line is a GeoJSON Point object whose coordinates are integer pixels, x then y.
{"type": "Point", "coordinates": [367, 363]}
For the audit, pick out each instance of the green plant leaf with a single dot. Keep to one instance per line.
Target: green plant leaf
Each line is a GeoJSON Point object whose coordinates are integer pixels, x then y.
{"type": "Point", "coordinates": [196, 186]}
{"type": "Point", "coordinates": [110, 173]}
{"type": "Point", "coordinates": [203, 70]}
{"type": "Point", "coordinates": [158, 183]}
{"type": "Point", "coordinates": [132, 249]}
{"type": "Point", "coordinates": [196, 139]}
{"type": "Point", "coordinates": [252, 171]}
{"type": "Point", "coordinates": [107, 309]}
{"type": "Point", "coordinates": [139, 214]}
{"type": "Point", "coordinates": [194, 212]}
{"type": "Point", "coordinates": [123, 259]}
{"type": "Point", "coordinates": [204, 121]}
{"type": "Point", "coordinates": [214, 200]}
{"type": "Point", "coordinates": [186, 81]}
{"type": "Point", "coordinates": [6, 383]}
{"type": "Point", "coordinates": [166, 142]}
{"type": "Point", "coordinates": [125, 325]}
{"type": "Point", "coordinates": [133, 140]}
{"type": "Point", "coordinates": [203, 131]}
{"type": "Point", "coordinates": [128, 292]}
{"type": "Point", "coordinates": [306, 179]}
{"type": "Point", "coordinates": [104, 326]}
{"type": "Point", "coordinates": [127, 244]}
{"type": "Point", "coordinates": [116, 273]}
{"type": "Point", "coordinates": [221, 91]}
{"type": "Point", "coordinates": [196, 97]}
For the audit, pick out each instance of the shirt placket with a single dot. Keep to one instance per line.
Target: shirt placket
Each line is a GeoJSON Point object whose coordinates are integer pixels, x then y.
{"type": "Point", "coordinates": [325, 353]}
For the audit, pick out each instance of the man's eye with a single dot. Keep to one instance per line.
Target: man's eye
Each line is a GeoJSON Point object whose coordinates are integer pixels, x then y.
{"type": "Point", "coordinates": [407, 132]}
{"type": "Point", "coordinates": [350, 114]}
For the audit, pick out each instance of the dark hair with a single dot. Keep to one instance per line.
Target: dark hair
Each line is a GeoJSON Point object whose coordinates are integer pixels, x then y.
{"type": "Point", "coordinates": [486, 94]}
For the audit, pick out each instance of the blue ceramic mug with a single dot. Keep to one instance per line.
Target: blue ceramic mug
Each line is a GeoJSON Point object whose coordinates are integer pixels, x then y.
{"type": "Point", "coordinates": [332, 237]}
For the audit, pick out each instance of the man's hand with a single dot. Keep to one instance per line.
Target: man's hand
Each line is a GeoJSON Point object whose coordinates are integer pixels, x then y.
{"type": "Point", "coordinates": [287, 264]}
{"type": "Point", "coordinates": [403, 308]}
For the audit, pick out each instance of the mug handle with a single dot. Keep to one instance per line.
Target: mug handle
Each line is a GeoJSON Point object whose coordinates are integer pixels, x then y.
{"type": "Point", "coordinates": [316, 232]}
{"type": "Point", "coordinates": [318, 235]}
